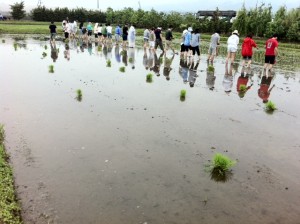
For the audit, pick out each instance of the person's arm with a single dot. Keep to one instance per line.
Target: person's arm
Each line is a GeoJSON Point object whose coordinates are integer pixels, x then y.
{"type": "Point", "coordinates": [269, 91]}
{"type": "Point", "coordinates": [276, 51]}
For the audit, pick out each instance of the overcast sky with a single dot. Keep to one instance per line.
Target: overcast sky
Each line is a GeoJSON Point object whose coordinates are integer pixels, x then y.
{"type": "Point", "coordinates": [158, 5]}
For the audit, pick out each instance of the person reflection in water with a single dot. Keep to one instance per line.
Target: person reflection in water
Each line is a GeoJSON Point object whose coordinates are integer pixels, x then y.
{"type": "Point", "coordinates": [210, 78]}
{"type": "Point", "coordinates": [54, 53]}
{"type": "Point", "coordinates": [228, 78]}
{"type": "Point", "coordinates": [145, 59]}
{"type": "Point", "coordinates": [264, 90]}
{"type": "Point", "coordinates": [124, 56]}
{"type": "Point", "coordinates": [117, 53]}
{"type": "Point", "coordinates": [242, 83]}
{"type": "Point", "coordinates": [183, 69]}
{"type": "Point", "coordinates": [167, 66]}
{"type": "Point", "coordinates": [156, 67]}
{"type": "Point", "coordinates": [131, 55]}
{"type": "Point", "coordinates": [193, 73]}
{"type": "Point", "coordinates": [67, 52]}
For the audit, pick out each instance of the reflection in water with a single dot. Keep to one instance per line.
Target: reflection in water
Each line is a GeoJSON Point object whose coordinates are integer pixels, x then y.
{"type": "Point", "coordinates": [264, 90]}
{"type": "Point", "coordinates": [219, 176]}
{"type": "Point", "coordinates": [193, 72]}
{"type": "Point", "coordinates": [124, 56]}
{"type": "Point", "coordinates": [210, 78]}
{"type": "Point", "coordinates": [67, 52]}
{"type": "Point", "coordinates": [156, 67]}
{"type": "Point", "coordinates": [167, 66]}
{"type": "Point", "coordinates": [54, 53]}
{"type": "Point", "coordinates": [145, 59]}
{"type": "Point", "coordinates": [183, 69]}
{"type": "Point", "coordinates": [117, 54]}
{"type": "Point", "coordinates": [242, 83]}
{"type": "Point", "coordinates": [131, 55]}
{"type": "Point", "coordinates": [228, 79]}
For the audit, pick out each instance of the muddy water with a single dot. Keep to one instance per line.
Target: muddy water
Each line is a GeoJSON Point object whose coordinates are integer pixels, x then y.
{"type": "Point", "coordinates": [132, 152]}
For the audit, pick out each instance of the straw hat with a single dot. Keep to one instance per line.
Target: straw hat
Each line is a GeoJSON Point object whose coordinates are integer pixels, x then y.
{"type": "Point", "coordinates": [235, 32]}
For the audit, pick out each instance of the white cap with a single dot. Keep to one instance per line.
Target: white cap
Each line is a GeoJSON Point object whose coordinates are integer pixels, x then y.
{"type": "Point", "coordinates": [190, 29]}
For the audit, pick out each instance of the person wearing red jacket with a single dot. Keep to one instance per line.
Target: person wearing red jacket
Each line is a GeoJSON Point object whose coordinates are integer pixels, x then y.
{"type": "Point", "coordinates": [247, 52]}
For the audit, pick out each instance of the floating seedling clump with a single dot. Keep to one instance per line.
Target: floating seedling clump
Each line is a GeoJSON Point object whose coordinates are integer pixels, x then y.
{"type": "Point", "coordinates": [130, 60]}
{"type": "Point", "coordinates": [44, 54]}
{"type": "Point", "coordinates": [3, 41]}
{"type": "Point", "coordinates": [108, 63]}
{"type": "Point", "coordinates": [149, 78]}
{"type": "Point", "coordinates": [51, 68]}
{"type": "Point", "coordinates": [182, 94]}
{"type": "Point", "coordinates": [99, 48]}
{"type": "Point", "coordinates": [78, 95]}
{"type": "Point", "coordinates": [46, 47]}
{"type": "Point", "coordinates": [270, 106]}
{"type": "Point", "coordinates": [122, 69]}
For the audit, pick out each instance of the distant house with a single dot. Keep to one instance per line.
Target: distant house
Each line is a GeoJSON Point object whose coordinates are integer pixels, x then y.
{"type": "Point", "coordinates": [228, 14]}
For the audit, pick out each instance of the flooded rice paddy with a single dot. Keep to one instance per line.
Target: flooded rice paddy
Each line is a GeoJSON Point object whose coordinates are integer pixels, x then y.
{"type": "Point", "coordinates": [131, 151]}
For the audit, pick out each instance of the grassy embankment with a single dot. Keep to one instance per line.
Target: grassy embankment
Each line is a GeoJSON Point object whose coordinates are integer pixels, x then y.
{"type": "Point", "coordinates": [289, 56]}
{"type": "Point", "coordinates": [9, 206]}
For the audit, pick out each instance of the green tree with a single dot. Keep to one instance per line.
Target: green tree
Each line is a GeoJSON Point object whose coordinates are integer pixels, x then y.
{"type": "Point", "coordinates": [240, 23]}
{"type": "Point", "coordinates": [17, 10]}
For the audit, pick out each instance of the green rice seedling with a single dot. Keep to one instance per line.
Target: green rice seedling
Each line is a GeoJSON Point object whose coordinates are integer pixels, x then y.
{"type": "Point", "coordinates": [149, 78]}
{"type": "Point", "coordinates": [130, 60]}
{"type": "Point", "coordinates": [182, 94]}
{"type": "Point", "coordinates": [222, 163]}
{"type": "Point", "coordinates": [210, 68]}
{"type": "Point", "coordinates": [44, 54]}
{"type": "Point", "coordinates": [108, 63]}
{"type": "Point", "coordinates": [79, 95]}
{"type": "Point", "coordinates": [16, 46]}
{"type": "Point", "coordinates": [78, 44]}
{"type": "Point", "coordinates": [46, 47]}
{"type": "Point", "coordinates": [99, 48]}
{"type": "Point", "coordinates": [51, 68]}
{"type": "Point", "coordinates": [3, 41]}
{"type": "Point", "coordinates": [243, 88]}
{"type": "Point", "coordinates": [67, 41]}
{"type": "Point", "coordinates": [122, 69]}
{"type": "Point", "coordinates": [270, 106]}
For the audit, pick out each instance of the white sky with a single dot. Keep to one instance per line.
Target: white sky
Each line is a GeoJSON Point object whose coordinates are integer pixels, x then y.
{"type": "Point", "coordinates": [158, 5]}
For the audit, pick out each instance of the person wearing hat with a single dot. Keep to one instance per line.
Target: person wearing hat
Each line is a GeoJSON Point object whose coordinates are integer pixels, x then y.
{"type": "Point", "coordinates": [158, 39]}
{"type": "Point", "coordinates": [232, 46]}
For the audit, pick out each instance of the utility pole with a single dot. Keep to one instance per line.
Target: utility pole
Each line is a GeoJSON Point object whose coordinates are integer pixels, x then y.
{"type": "Point", "coordinates": [97, 4]}
{"type": "Point", "coordinates": [39, 4]}
{"type": "Point", "coordinates": [140, 5]}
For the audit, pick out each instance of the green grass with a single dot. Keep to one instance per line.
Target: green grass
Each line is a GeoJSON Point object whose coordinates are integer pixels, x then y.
{"type": "Point", "coordinates": [79, 95]}
{"type": "Point", "coordinates": [108, 63]}
{"type": "Point", "coordinates": [9, 206]}
{"type": "Point", "coordinates": [182, 94]}
{"type": "Point", "coordinates": [122, 69]}
{"type": "Point", "coordinates": [270, 106]}
{"type": "Point", "coordinates": [243, 88]}
{"type": "Point", "coordinates": [51, 68]}
{"type": "Point", "coordinates": [149, 78]}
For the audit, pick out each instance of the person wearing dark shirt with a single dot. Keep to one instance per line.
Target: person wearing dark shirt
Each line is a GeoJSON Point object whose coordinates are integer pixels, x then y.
{"type": "Point", "coordinates": [158, 39]}
{"type": "Point", "coordinates": [125, 35]}
{"type": "Point", "coordinates": [52, 28]}
{"type": "Point", "coordinates": [169, 38]}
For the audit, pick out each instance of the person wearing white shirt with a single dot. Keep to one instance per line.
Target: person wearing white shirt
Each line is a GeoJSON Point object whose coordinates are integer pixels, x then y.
{"type": "Point", "coordinates": [232, 46]}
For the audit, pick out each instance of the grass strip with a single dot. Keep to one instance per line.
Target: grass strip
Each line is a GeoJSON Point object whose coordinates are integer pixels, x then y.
{"type": "Point", "coordinates": [9, 206]}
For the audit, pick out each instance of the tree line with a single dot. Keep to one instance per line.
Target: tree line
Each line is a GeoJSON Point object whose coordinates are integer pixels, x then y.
{"type": "Point", "coordinates": [259, 21]}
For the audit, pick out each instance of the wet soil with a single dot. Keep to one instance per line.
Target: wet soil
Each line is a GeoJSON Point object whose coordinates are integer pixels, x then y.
{"type": "Point", "coordinates": [133, 152]}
